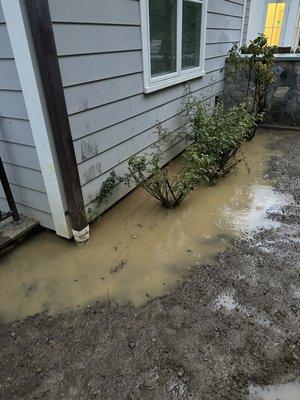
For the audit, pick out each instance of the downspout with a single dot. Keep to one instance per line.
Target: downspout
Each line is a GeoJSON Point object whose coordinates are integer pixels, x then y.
{"type": "Point", "coordinates": [45, 48]}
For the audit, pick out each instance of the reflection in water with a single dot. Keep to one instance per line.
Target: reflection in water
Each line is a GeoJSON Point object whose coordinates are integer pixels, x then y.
{"type": "Point", "coordinates": [261, 200]}
{"type": "Point", "coordinates": [138, 249]}
{"type": "Point", "coordinates": [287, 391]}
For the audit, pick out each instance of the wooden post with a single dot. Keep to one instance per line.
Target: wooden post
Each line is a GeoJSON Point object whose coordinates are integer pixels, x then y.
{"type": "Point", "coordinates": [47, 58]}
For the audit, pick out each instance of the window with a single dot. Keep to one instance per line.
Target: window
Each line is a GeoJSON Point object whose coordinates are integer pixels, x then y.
{"type": "Point", "coordinates": [173, 34]}
{"type": "Point", "coordinates": [274, 23]}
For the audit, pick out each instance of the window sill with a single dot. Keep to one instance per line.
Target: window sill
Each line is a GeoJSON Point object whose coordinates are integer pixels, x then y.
{"type": "Point", "coordinates": [153, 87]}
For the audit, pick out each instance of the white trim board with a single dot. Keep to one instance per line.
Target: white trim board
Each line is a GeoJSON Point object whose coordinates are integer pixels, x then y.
{"type": "Point", "coordinates": [243, 21]}
{"type": "Point", "coordinates": [24, 54]}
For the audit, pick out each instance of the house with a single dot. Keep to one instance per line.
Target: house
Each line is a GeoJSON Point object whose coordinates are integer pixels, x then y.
{"type": "Point", "coordinates": [279, 20]}
{"type": "Point", "coordinates": [84, 83]}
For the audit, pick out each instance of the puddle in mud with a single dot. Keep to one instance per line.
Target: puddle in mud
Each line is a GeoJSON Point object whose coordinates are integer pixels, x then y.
{"type": "Point", "coordinates": [227, 301]}
{"type": "Point", "coordinates": [287, 391]}
{"type": "Point", "coordinates": [138, 250]}
{"type": "Point", "coordinates": [261, 200]}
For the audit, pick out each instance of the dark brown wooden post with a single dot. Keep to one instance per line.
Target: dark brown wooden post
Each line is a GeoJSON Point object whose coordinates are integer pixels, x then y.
{"type": "Point", "coordinates": [8, 193]}
{"type": "Point", "coordinates": [46, 53]}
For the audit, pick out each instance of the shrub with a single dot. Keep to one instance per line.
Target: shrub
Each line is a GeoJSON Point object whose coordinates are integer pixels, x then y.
{"type": "Point", "coordinates": [168, 185]}
{"type": "Point", "coordinates": [255, 63]}
{"type": "Point", "coordinates": [212, 149]}
{"type": "Point", "coordinates": [217, 137]}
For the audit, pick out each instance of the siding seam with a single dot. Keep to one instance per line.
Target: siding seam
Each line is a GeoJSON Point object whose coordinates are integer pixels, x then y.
{"type": "Point", "coordinates": [27, 188]}
{"type": "Point", "coordinates": [141, 113]}
{"type": "Point", "coordinates": [31, 207]}
{"type": "Point", "coordinates": [99, 52]}
{"type": "Point", "coordinates": [131, 96]}
{"type": "Point", "coordinates": [21, 166]}
{"type": "Point", "coordinates": [18, 143]}
{"type": "Point", "coordinates": [224, 15]}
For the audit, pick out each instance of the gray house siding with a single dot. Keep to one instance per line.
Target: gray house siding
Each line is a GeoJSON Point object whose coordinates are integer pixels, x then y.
{"type": "Point", "coordinates": [17, 148]}
{"type": "Point", "coordinates": [246, 22]}
{"type": "Point", "coordinates": [100, 56]}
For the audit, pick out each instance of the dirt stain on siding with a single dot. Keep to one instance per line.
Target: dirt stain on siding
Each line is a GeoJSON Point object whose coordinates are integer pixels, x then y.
{"type": "Point", "coordinates": [148, 248]}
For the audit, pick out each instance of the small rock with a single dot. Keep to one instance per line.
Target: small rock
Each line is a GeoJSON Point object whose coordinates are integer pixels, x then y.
{"type": "Point", "coordinates": [118, 267]}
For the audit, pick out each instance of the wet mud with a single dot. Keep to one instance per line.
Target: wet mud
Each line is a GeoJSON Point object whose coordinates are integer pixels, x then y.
{"type": "Point", "coordinates": [230, 329]}
{"type": "Point", "coordinates": [139, 249]}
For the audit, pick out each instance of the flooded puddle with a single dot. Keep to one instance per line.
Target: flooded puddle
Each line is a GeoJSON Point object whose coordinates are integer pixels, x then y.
{"type": "Point", "coordinates": [287, 391]}
{"type": "Point", "coordinates": [138, 249]}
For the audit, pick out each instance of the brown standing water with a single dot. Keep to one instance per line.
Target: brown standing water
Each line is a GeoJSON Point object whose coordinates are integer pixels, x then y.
{"type": "Point", "coordinates": [139, 250]}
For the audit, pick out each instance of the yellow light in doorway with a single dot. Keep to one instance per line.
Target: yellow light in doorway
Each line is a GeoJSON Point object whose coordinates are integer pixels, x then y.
{"type": "Point", "coordinates": [274, 23]}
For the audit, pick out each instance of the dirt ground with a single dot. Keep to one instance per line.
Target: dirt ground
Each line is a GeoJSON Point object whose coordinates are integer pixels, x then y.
{"type": "Point", "coordinates": [229, 325]}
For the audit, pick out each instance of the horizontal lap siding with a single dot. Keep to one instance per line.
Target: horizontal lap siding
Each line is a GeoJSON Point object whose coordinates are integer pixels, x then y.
{"type": "Point", "coordinates": [99, 47]}
{"type": "Point", "coordinates": [9, 79]}
{"type": "Point", "coordinates": [119, 12]}
{"type": "Point", "coordinates": [16, 131]}
{"type": "Point", "coordinates": [94, 67]}
{"type": "Point", "coordinates": [17, 148]}
{"type": "Point", "coordinates": [222, 36]}
{"type": "Point", "coordinates": [79, 39]}
{"type": "Point", "coordinates": [12, 104]}
{"type": "Point", "coordinates": [143, 114]}
{"type": "Point", "coordinates": [5, 47]}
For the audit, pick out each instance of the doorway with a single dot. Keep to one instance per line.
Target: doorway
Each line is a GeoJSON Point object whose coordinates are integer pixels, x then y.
{"type": "Point", "coordinates": [274, 22]}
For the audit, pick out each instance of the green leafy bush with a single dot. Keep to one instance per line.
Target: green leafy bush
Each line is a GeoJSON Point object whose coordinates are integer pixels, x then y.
{"type": "Point", "coordinates": [169, 185]}
{"type": "Point", "coordinates": [255, 63]}
{"type": "Point", "coordinates": [217, 137]}
{"type": "Point", "coordinates": [213, 144]}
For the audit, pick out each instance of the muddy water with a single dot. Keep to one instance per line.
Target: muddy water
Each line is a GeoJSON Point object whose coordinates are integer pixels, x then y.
{"type": "Point", "coordinates": [138, 250]}
{"type": "Point", "coordinates": [288, 391]}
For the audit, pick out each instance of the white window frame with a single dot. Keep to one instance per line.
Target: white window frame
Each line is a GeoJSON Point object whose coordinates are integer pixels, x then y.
{"type": "Point", "coordinates": [152, 84]}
